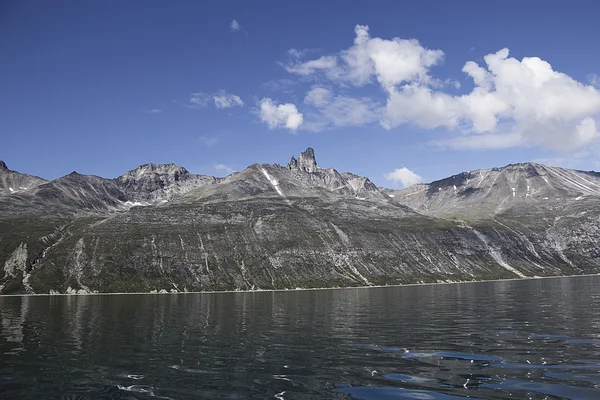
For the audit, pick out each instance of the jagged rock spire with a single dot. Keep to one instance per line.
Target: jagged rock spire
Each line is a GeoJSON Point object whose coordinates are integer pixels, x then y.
{"type": "Point", "coordinates": [306, 161]}
{"type": "Point", "coordinates": [3, 165]}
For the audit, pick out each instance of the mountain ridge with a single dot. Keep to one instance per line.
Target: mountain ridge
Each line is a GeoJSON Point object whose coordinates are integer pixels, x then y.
{"type": "Point", "coordinates": [159, 227]}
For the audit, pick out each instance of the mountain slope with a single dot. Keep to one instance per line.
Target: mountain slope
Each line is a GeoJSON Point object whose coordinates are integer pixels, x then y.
{"type": "Point", "coordinates": [15, 182]}
{"type": "Point", "coordinates": [485, 193]}
{"type": "Point", "coordinates": [161, 228]}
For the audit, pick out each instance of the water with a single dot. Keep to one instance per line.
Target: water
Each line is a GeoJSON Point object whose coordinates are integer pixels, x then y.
{"type": "Point", "coordinates": [537, 339]}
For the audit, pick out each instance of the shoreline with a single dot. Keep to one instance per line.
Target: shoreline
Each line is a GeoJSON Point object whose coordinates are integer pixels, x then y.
{"type": "Point", "coordinates": [296, 289]}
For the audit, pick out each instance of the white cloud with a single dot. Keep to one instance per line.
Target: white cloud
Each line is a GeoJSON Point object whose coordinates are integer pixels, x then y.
{"type": "Point", "coordinates": [224, 168]}
{"type": "Point", "coordinates": [199, 99]}
{"type": "Point", "coordinates": [220, 99]}
{"type": "Point", "coordinates": [234, 26]}
{"type": "Point", "coordinates": [389, 61]}
{"type": "Point", "coordinates": [226, 100]}
{"type": "Point", "coordinates": [403, 175]}
{"type": "Point", "coordinates": [548, 108]}
{"type": "Point", "coordinates": [154, 111]}
{"type": "Point", "coordinates": [514, 102]}
{"type": "Point", "coordinates": [325, 63]}
{"type": "Point", "coordinates": [329, 110]}
{"type": "Point", "coordinates": [279, 115]}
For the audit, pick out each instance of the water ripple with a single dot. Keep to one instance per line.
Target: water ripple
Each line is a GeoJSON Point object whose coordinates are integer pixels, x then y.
{"type": "Point", "coordinates": [502, 340]}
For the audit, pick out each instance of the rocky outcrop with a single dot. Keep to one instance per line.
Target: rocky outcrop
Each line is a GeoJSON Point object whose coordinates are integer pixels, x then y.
{"type": "Point", "coordinates": [305, 169]}
{"type": "Point", "coordinates": [152, 183]}
{"type": "Point", "coordinates": [160, 228]}
{"type": "Point", "coordinates": [12, 182]}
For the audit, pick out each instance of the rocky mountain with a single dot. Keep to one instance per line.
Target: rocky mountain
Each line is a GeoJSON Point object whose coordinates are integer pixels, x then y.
{"type": "Point", "coordinates": [151, 183]}
{"type": "Point", "coordinates": [488, 192]}
{"type": "Point", "coordinates": [15, 182]}
{"type": "Point", "coordinates": [161, 228]}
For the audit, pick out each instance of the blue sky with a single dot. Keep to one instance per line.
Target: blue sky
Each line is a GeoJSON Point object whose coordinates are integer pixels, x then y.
{"type": "Point", "coordinates": [103, 86]}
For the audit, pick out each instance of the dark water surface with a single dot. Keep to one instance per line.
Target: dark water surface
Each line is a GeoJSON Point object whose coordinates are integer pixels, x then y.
{"type": "Point", "coordinates": [536, 339]}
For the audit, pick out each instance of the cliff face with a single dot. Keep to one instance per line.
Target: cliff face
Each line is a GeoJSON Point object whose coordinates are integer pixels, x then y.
{"type": "Point", "coordinates": [160, 228]}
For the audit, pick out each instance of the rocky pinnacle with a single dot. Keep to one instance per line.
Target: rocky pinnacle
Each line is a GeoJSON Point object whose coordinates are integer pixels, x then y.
{"type": "Point", "coordinates": [306, 162]}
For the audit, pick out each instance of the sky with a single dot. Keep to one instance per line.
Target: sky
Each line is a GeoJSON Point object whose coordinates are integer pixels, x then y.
{"type": "Point", "coordinates": [400, 92]}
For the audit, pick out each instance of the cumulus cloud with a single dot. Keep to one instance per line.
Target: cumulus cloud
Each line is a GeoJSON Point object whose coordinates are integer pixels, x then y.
{"type": "Point", "coordinates": [390, 62]}
{"type": "Point", "coordinates": [224, 168]}
{"type": "Point", "coordinates": [404, 176]}
{"type": "Point", "coordinates": [279, 115]}
{"type": "Point", "coordinates": [545, 107]}
{"type": "Point", "coordinates": [513, 102]}
{"type": "Point", "coordinates": [234, 26]}
{"type": "Point", "coordinates": [328, 110]}
{"type": "Point", "coordinates": [220, 99]}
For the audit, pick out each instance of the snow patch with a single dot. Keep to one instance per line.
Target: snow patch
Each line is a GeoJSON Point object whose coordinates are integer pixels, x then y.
{"type": "Point", "coordinates": [130, 204]}
{"type": "Point", "coordinates": [341, 234]}
{"type": "Point", "coordinates": [273, 182]}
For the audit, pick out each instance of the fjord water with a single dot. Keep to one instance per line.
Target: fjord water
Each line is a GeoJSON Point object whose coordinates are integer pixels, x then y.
{"type": "Point", "coordinates": [534, 339]}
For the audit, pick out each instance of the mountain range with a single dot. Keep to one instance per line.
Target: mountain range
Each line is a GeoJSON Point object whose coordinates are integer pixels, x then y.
{"type": "Point", "coordinates": [160, 228]}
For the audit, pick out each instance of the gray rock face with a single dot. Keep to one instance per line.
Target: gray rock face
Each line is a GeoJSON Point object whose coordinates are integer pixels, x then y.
{"type": "Point", "coordinates": [485, 193]}
{"type": "Point", "coordinates": [305, 169]}
{"type": "Point", "coordinates": [12, 182]}
{"type": "Point", "coordinates": [161, 228]}
{"type": "Point", "coordinates": [307, 161]}
{"type": "Point", "coordinates": [160, 182]}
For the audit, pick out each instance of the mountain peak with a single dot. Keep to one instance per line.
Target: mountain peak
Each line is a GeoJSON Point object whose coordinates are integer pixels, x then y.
{"type": "Point", "coordinates": [306, 161]}
{"type": "Point", "coordinates": [3, 165]}
{"type": "Point", "coordinates": [151, 169]}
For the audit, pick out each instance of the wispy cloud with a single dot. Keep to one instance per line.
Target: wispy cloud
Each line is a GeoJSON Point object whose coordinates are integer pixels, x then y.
{"type": "Point", "coordinates": [280, 85]}
{"type": "Point", "coordinates": [594, 80]}
{"type": "Point", "coordinates": [154, 111]}
{"type": "Point", "coordinates": [328, 110]}
{"type": "Point", "coordinates": [220, 99]}
{"type": "Point", "coordinates": [234, 26]}
{"type": "Point", "coordinates": [224, 168]}
{"type": "Point", "coordinates": [226, 100]}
